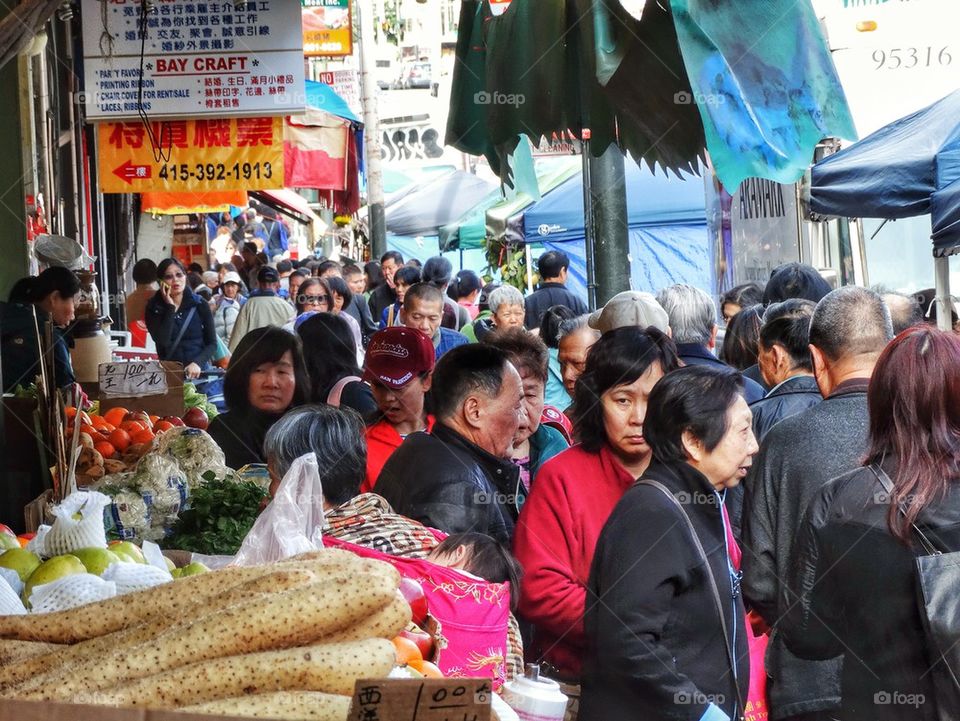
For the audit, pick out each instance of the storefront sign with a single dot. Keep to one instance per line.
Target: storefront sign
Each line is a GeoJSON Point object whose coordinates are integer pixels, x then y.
{"type": "Point", "coordinates": [189, 59]}
{"type": "Point", "coordinates": [327, 28]}
{"type": "Point", "coordinates": [196, 155]}
{"type": "Point", "coordinates": [346, 84]}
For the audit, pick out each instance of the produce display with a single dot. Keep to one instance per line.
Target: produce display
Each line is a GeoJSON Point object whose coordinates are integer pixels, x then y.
{"type": "Point", "coordinates": [286, 640]}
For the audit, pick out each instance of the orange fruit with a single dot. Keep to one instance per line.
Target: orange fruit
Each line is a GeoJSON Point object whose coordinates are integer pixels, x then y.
{"type": "Point", "coordinates": [105, 449]}
{"type": "Point", "coordinates": [71, 412]}
{"type": "Point", "coordinates": [115, 416]}
{"type": "Point", "coordinates": [154, 419]}
{"type": "Point", "coordinates": [120, 440]}
{"type": "Point", "coordinates": [407, 651]}
{"type": "Point", "coordinates": [101, 424]}
{"type": "Point", "coordinates": [133, 426]}
{"type": "Point", "coordinates": [87, 428]}
{"type": "Point", "coordinates": [144, 436]}
{"type": "Point", "coordinates": [162, 426]}
{"type": "Point", "coordinates": [430, 670]}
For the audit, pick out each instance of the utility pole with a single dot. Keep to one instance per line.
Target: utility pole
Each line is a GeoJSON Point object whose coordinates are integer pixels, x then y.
{"type": "Point", "coordinates": [371, 133]}
{"type": "Point", "coordinates": [611, 240]}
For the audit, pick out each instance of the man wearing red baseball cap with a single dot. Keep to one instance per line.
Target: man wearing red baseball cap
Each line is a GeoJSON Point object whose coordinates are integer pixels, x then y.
{"type": "Point", "coordinates": [398, 366]}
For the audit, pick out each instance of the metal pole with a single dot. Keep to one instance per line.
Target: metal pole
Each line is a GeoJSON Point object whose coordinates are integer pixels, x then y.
{"type": "Point", "coordinates": [611, 240]}
{"type": "Point", "coordinates": [371, 133]}
{"type": "Point", "coordinates": [589, 234]}
{"type": "Point", "coordinates": [941, 269]}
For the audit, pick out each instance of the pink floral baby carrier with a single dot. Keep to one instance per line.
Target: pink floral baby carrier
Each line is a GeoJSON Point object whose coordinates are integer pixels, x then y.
{"type": "Point", "coordinates": [471, 614]}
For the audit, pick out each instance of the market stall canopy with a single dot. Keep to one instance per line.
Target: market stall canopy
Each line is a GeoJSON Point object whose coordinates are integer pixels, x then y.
{"type": "Point", "coordinates": [436, 203]}
{"type": "Point", "coordinates": [322, 97]}
{"type": "Point", "coordinates": [288, 202]}
{"type": "Point", "coordinates": [945, 213]}
{"type": "Point", "coordinates": [896, 171]}
{"type": "Point", "coordinates": [179, 203]}
{"type": "Point", "coordinates": [667, 229]}
{"type": "Point", "coordinates": [682, 78]}
{"type": "Point", "coordinates": [469, 231]}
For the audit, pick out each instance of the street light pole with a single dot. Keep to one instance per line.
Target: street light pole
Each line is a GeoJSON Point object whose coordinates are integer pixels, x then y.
{"type": "Point", "coordinates": [371, 133]}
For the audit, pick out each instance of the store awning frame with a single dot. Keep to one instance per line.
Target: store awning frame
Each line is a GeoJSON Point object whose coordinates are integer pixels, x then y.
{"type": "Point", "coordinates": [289, 202]}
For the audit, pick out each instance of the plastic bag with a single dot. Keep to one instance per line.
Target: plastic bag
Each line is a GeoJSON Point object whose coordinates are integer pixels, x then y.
{"type": "Point", "coordinates": [10, 603]}
{"type": "Point", "coordinates": [69, 533]}
{"type": "Point", "coordinates": [130, 577]}
{"type": "Point", "coordinates": [195, 452]}
{"type": "Point", "coordinates": [70, 592]}
{"type": "Point", "coordinates": [293, 522]}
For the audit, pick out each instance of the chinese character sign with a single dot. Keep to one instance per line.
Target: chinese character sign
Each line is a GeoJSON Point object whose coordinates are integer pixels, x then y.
{"type": "Point", "coordinates": [197, 155]}
{"type": "Point", "coordinates": [327, 28]}
{"type": "Point", "coordinates": [199, 58]}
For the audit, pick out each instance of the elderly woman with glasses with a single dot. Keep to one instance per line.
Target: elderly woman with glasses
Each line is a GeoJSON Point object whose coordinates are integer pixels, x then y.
{"type": "Point", "coordinates": [180, 321]}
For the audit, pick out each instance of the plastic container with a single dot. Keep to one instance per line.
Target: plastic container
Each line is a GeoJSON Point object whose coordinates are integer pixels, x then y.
{"type": "Point", "coordinates": [535, 698]}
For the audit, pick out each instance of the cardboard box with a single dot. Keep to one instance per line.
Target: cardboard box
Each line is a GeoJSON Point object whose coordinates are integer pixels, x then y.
{"type": "Point", "coordinates": [128, 376]}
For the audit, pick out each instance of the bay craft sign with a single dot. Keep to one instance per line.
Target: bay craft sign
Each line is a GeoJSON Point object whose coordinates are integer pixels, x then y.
{"type": "Point", "coordinates": [190, 59]}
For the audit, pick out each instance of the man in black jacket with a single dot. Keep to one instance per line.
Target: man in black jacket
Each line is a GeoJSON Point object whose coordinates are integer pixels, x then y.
{"type": "Point", "coordinates": [850, 328]}
{"type": "Point", "coordinates": [385, 295]}
{"type": "Point", "coordinates": [459, 477]}
{"type": "Point", "coordinates": [552, 267]}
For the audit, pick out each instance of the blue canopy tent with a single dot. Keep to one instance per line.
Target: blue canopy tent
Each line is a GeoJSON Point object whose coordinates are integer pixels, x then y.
{"type": "Point", "coordinates": [669, 242]}
{"type": "Point", "coordinates": [905, 169]}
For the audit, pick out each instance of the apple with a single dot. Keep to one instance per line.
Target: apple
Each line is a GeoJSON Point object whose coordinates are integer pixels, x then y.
{"type": "Point", "coordinates": [196, 418]}
{"type": "Point", "coordinates": [128, 551]}
{"type": "Point", "coordinates": [49, 571]}
{"type": "Point", "coordinates": [96, 560]}
{"type": "Point", "coordinates": [8, 542]}
{"type": "Point", "coordinates": [175, 420]}
{"type": "Point", "coordinates": [20, 560]}
{"type": "Point", "coordinates": [420, 637]}
{"type": "Point", "coordinates": [193, 569]}
{"type": "Point", "coordinates": [139, 417]}
{"type": "Point", "coordinates": [5, 529]}
{"type": "Point", "coordinates": [412, 591]}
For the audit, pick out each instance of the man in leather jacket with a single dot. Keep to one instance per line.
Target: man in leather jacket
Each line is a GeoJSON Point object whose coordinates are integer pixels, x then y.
{"type": "Point", "coordinates": [459, 477]}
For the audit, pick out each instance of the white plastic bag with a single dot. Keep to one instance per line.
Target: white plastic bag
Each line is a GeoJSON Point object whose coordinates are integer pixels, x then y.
{"type": "Point", "coordinates": [12, 579]}
{"type": "Point", "coordinates": [71, 534]}
{"type": "Point", "coordinates": [70, 592]}
{"type": "Point", "coordinates": [293, 522]}
{"type": "Point", "coordinates": [10, 603]}
{"type": "Point", "coordinates": [130, 577]}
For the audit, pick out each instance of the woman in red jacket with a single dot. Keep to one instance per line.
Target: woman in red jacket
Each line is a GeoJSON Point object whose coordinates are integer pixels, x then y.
{"type": "Point", "coordinates": [577, 490]}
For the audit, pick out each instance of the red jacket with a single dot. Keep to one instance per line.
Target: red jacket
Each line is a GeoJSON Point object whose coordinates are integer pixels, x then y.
{"type": "Point", "coordinates": [382, 441]}
{"type": "Point", "coordinates": [555, 539]}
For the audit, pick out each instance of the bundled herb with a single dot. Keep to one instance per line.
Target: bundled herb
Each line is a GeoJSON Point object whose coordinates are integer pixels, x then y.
{"type": "Point", "coordinates": [221, 513]}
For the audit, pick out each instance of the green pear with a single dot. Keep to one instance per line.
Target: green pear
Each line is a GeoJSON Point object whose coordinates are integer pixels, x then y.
{"type": "Point", "coordinates": [175, 573]}
{"type": "Point", "coordinates": [192, 569]}
{"type": "Point", "coordinates": [96, 560]}
{"type": "Point", "coordinates": [22, 561]}
{"type": "Point", "coordinates": [51, 570]}
{"type": "Point", "coordinates": [7, 542]}
{"type": "Point", "coordinates": [129, 549]}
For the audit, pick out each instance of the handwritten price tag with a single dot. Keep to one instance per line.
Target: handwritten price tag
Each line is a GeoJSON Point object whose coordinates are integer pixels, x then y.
{"type": "Point", "coordinates": [137, 378]}
{"type": "Point", "coordinates": [429, 699]}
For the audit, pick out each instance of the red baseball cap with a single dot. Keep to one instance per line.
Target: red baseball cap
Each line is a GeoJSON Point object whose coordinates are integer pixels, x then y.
{"type": "Point", "coordinates": [397, 355]}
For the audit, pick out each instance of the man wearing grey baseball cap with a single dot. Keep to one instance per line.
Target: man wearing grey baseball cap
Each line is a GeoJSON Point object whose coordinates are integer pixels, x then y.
{"type": "Point", "coordinates": [631, 308]}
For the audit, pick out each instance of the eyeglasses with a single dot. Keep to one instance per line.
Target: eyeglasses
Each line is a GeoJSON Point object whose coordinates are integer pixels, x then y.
{"type": "Point", "coordinates": [314, 299]}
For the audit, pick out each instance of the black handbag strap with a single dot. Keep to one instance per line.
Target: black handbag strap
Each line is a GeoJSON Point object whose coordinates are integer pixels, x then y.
{"type": "Point", "coordinates": [713, 588]}
{"type": "Point", "coordinates": [183, 330]}
{"type": "Point", "coordinates": [887, 484]}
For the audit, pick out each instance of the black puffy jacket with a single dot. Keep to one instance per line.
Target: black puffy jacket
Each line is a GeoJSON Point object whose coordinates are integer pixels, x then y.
{"type": "Point", "coordinates": [444, 481]}
{"type": "Point", "coordinates": [656, 648]}
{"type": "Point", "coordinates": [787, 399]}
{"type": "Point", "coordinates": [858, 594]}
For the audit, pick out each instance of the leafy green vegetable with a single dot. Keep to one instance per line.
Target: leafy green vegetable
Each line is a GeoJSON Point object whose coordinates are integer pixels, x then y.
{"type": "Point", "coordinates": [192, 398]}
{"type": "Point", "coordinates": [221, 513]}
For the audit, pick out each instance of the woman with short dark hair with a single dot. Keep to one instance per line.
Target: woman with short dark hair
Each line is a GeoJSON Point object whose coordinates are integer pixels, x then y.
{"type": "Point", "coordinates": [664, 627]}
{"type": "Point", "coordinates": [341, 298]}
{"type": "Point", "coordinates": [266, 377]}
{"type": "Point", "coordinates": [576, 490]}
{"type": "Point", "coordinates": [51, 296]}
{"type": "Point", "coordinates": [854, 563]}
{"type": "Point", "coordinates": [555, 394]}
{"type": "Point", "coordinates": [180, 321]}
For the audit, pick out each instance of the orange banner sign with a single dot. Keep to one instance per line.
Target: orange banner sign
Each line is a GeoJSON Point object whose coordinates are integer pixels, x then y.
{"type": "Point", "coordinates": [191, 155]}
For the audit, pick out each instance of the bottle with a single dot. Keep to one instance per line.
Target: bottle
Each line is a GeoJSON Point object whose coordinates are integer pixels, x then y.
{"type": "Point", "coordinates": [535, 698]}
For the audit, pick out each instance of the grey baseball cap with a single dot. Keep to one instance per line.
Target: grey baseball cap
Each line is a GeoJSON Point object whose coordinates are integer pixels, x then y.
{"type": "Point", "coordinates": [630, 308]}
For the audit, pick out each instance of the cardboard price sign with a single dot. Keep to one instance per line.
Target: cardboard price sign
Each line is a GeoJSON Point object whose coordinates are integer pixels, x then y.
{"type": "Point", "coordinates": [200, 155]}
{"type": "Point", "coordinates": [137, 378]}
{"type": "Point", "coordinates": [428, 699]}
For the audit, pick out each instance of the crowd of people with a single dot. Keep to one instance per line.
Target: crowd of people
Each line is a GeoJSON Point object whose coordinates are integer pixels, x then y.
{"type": "Point", "coordinates": [705, 521]}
